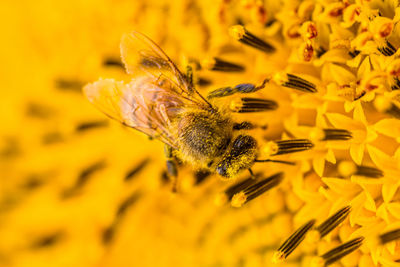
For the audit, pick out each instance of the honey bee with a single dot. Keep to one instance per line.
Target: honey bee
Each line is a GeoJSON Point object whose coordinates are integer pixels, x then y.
{"type": "Point", "coordinates": [162, 102]}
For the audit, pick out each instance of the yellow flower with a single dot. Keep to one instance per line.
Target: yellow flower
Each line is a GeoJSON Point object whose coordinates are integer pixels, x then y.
{"type": "Point", "coordinates": [324, 77]}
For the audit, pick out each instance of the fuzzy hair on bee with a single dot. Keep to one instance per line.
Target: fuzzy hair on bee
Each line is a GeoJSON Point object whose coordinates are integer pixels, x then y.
{"type": "Point", "coordinates": [160, 102]}
{"type": "Point", "coordinates": [207, 139]}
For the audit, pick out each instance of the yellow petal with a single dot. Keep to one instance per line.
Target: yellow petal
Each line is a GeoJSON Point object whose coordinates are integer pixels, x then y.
{"type": "Point", "coordinates": [394, 209]}
{"type": "Point", "coordinates": [383, 213]}
{"type": "Point", "coordinates": [319, 165]}
{"type": "Point", "coordinates": [343, 122]}
{"type": "Point", "coordinates": [389, 127]}
{"type": "Point", "coordinates": [388, 191]}
{"type": "Point", "coordinates": [330, 156]}
{"type": "Point", "coordinates": [381, 159]}
{"type": "Point", "coordinates": [357, 152]}
{"type": "Point", "coordinates": [359, 113]}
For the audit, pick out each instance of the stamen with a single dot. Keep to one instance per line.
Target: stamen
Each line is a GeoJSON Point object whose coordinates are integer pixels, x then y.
{"type": "Point", "coordinates": [203, 81]}
{"type": "Point", "coordinates": [255, 190]}
{"type": "Point", "coordinates": [286, 146]}
{"type": "Point", "coordinates": [330, 134]}
{"type": "Point", "coordinates": [320, 51]}
{"type": "Point", "coordinates": [342, 250]}
{"type": "Point", "coordinates": [113, 62]}
{"type": "Point", "coordinates": [369, 172]}
{"type": "Point", "coordinates": [292, 242]}
{"type": "Point", "coordinates": [247, 104]}
{"type": "Point", "coordinates": [218, 64]}
{"type": "Point", "coordinates": [354, 53]}
{"type": "Point", "coordinates": [387, 50]}
{"type": "Point", "coordinates": [390, 236]}
{"type": "Point", "coordinates": [90, 125]}
{"type": "Point", "coordinates": [137, 169]}
{"type": "Point", "coordinates": [348, 168]}
{"type": "Point", "coordinates": [309, 30]}
{"type": "Point", "coordinates": [69, 85]}
{"type": "Point", "coordinates": [127, 203]}
{"type": "Point", "coordinates": [396, 85]}
{"type": "Point", "coordinates": [294, 82]}
{"type": "Point", "coordinates": [38, 110]}
{"type": "Point", "coordinates": [383, 104]}
{"type": "Point", "coordinates": [83, 178]}
{"type": "Point", "coordinates": [108, 234]}
{"type": "Point", "coordinates": [201, 175]}
{"type": "Point", "coordinates": [306, 51]}
{"type": "Point", "coordinates": [51, 138]}
{"type": "Point", "coordinates": [332, 222]}
{"type": "Point", "coordinates": [234, 189]}
{"type": "Point", "coordinates": [242, 35]}
{"type": "Point", "coordinates": [47, 241]}
{"type": "Point", "coordinates": [394, 111]}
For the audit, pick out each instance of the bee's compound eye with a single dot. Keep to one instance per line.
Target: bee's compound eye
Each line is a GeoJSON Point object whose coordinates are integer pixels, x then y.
{"type": "Point", "coordinates": [242, 144]}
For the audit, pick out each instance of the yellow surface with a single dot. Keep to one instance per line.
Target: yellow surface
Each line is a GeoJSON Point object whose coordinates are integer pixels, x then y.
{"type": "Point", "coordinates": [51, 217]}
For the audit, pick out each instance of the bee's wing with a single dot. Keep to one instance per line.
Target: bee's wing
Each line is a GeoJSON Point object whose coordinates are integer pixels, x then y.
{"type": "Point", "coordinates": [142, 55]}
{"type": "Point", "coordinates": [140, 104]}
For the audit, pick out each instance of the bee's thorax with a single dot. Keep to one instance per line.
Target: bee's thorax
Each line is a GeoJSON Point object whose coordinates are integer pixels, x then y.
{"type": "Point", "coordinates": [203, 136]}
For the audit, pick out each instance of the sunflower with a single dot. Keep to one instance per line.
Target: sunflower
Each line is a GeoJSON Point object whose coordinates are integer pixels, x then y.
{"type": "Point", "coordinates": [316, 83]}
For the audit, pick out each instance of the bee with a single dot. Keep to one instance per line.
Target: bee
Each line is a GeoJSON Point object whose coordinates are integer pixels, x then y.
{"type": "Point", "coordinates": [163, 103]}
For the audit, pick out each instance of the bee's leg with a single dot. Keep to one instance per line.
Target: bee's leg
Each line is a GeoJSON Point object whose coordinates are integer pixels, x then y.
{"type": "Point", "coordinates": [172, 169]}
{"type": "Point", "coordinates": [283, 79]}
{"type": "Point", "coordinates": [189, 77]}
{"type": "Point", "coordinates": [240, 88]}
{"type": "Point", "coordinates": [246, 125]}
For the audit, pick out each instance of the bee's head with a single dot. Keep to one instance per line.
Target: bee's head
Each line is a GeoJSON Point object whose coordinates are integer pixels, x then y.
{"type": "Point", "coordinates": [241, 156]}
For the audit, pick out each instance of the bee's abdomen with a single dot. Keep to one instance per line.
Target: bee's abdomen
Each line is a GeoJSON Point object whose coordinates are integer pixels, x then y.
{"type": "Point", "coordinates": [203, 135]}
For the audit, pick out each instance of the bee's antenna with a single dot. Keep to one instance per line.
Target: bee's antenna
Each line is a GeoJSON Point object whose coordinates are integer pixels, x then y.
{"type": "Point", "coordinates": [276, 161]}
{"type": "Point", "coordinates": [251, 173]}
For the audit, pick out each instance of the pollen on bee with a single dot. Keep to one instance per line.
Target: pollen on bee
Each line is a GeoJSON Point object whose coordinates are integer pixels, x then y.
{"type": "Point", "coordinates": [217, 64]}
{"type": "Point", "coordinates": [292, 242]}
{"type": "Point", "coordinates": [244, 36]}
{"type": "Point", "coordinates": [247, 104]}
{"type": "Point", "coordinates": [294, 82]}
